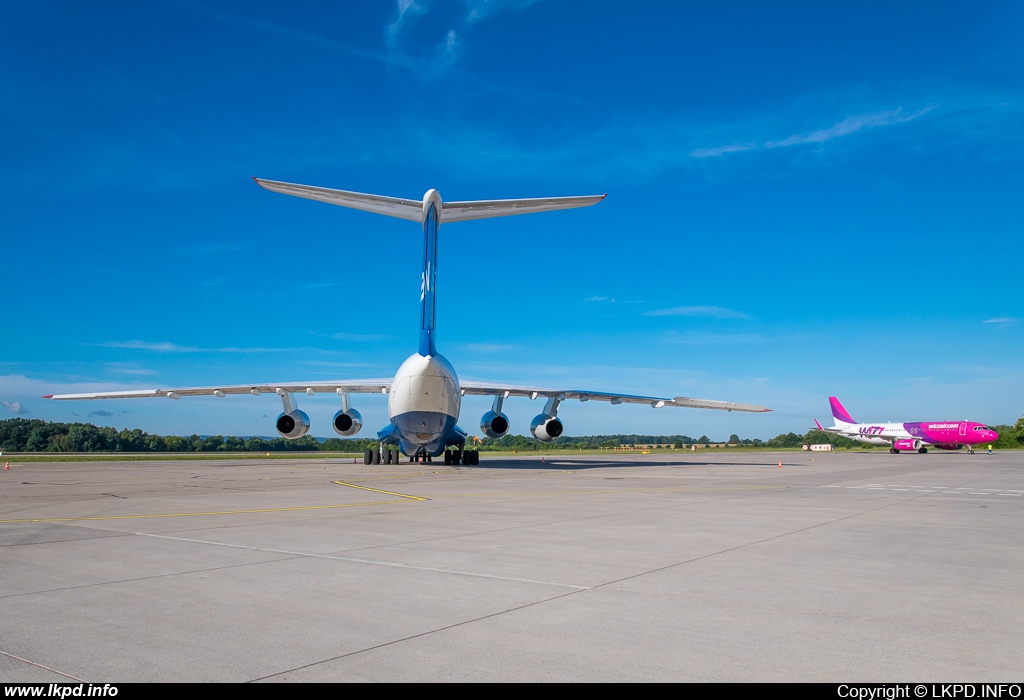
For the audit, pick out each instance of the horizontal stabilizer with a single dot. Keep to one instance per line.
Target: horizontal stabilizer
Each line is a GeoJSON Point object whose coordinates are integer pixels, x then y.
{"type": "Point", "coordinates": [486, 209]}
{"type": "Point", "coordinates": [412, 209]}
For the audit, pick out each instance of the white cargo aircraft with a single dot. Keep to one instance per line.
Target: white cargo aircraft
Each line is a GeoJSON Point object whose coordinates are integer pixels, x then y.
{"type": "Point", "coordinates": [425, 394]}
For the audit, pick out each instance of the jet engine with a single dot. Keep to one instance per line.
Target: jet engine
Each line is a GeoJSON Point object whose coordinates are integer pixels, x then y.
{"type": "Point", "coordinates": [545, 428]}
{"type": "Point", "coordinates": [907, 445]}
{"type": "Point", "coordinates": [494, 425]}
{"type": "Point", "coordinates": [347, 423]}
{"type": "Point", "coordinates": [293, 425]}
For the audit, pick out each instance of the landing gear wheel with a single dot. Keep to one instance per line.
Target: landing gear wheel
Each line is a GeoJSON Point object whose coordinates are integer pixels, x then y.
{"type": "Point", "coordinates": [923, 450]}
{"type": "Point", "coordinates": [368, 457]}
{"type": "Point", "coordinates": [893, 451]}
{"type": "Point", "coordinates": [386, 456]}
{"type": "Point", "coordinates": [457, 456]}
{"type": "Point", "coordinates": [376, 455]}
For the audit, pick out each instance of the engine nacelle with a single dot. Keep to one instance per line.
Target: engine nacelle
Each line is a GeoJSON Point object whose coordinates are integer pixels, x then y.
{"type": "Point", "coordinates": [910, 444]}
{"type": "Point", "coordinates": [545, 428]}
{"type": "Point", "coordinates": [494, 425]}
{"type": "Point", "coordinates": [348, 422]}
{"type": "Point", "coordinates": [293, 425]}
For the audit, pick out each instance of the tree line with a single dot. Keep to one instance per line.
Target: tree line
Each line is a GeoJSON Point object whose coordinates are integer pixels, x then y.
{"type": "Point", "coordinates": [34, 435]}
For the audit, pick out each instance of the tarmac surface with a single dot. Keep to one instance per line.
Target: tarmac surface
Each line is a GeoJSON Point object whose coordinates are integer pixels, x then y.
{"type": "Point", "coordinates": [704, 567]}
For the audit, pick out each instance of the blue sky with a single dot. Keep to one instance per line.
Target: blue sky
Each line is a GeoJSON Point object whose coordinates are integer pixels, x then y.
{"type": "Point", "coordinates": [802, 201]}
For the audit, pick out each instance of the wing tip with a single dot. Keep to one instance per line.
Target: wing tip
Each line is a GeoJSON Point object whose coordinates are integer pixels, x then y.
{"type": "Point", "coordinates": [48, 396]}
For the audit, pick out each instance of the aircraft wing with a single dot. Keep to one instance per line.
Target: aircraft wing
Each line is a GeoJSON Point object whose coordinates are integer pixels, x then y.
{"type": "Point", "coordinates": [506, 390]}
{"type": "Point", "coordinates": [356, 386]}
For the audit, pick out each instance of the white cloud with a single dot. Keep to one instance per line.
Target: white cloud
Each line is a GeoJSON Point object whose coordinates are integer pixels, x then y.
{"type": "Point", "coordinates": [721, 150]}
{"type": "Point", "coordinates": [122, 368]}
{"type": "Point", "coordinates": [14, 407]}
{"type": "Point", "coordinates": [593, 299]}
{"type": "Point", "coordinates": [479, 9]}
{"type": "Point", "coordinates": [1002, 320]}
{"type": "Point", "coordinates": [171, 347]}
{"type": "Point", "coordinates": [850, 125]}
{"type": "Point", "coordinates": [702, 311]}
{"type": "Point", "coordinates": [844, 127]}
{"type": "Point", "coordinates": [408, 10]}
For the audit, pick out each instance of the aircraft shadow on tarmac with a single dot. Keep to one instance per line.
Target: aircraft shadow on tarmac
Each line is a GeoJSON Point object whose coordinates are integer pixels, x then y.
{"type": "Point", "coordinates": [561, 463]}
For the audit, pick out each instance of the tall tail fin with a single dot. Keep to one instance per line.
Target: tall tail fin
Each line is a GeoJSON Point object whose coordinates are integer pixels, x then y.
{"type": "Point", "coordinates": [840, 414]}
{"type": "Point", "coordinates": [431, 212]}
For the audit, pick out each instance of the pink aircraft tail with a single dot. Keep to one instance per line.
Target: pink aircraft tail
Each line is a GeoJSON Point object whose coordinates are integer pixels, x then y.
{"type": "Point", "coordinates": [818, 424]}
{"type": "Point", "coordinates": [840, 414]}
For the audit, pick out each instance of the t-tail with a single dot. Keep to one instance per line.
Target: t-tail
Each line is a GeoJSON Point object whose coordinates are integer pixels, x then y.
{"type": "Point", "coordinates": [428, 302]}
{"type": "Point", "coordinates": [431, 212]}
{"type": "Point", "coordinates": [839, 414]}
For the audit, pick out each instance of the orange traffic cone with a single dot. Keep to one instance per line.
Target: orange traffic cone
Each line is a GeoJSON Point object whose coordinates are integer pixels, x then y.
{"type": "Point", "coordinates": [7, 466]}
{"type": "Point", "coordinates": [780, 464]}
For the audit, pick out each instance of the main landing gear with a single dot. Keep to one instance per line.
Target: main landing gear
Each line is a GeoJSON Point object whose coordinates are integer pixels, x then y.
{"type": "Point", "coordinates": [381, 455]}
{"type": "Point", "coordinates": [389, 455]}
{"type": "Point", "coordinates": [467, 457]}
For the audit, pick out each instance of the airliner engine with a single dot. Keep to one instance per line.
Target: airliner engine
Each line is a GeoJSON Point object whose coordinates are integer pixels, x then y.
{"type": "Point", "coordinates": [906, 445]}
{"type": "Point", "coordinates": [293, 425]}
{"type": "Point", "coordinates": [545, 428]}
{"type": "Point", "coordinates": [347, 423]}
{"type": "Point", "coordinates": [494, 425]}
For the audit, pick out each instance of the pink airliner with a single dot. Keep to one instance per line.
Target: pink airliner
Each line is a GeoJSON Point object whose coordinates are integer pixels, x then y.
{"type": "Point", "coordinates": [943, 435]}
